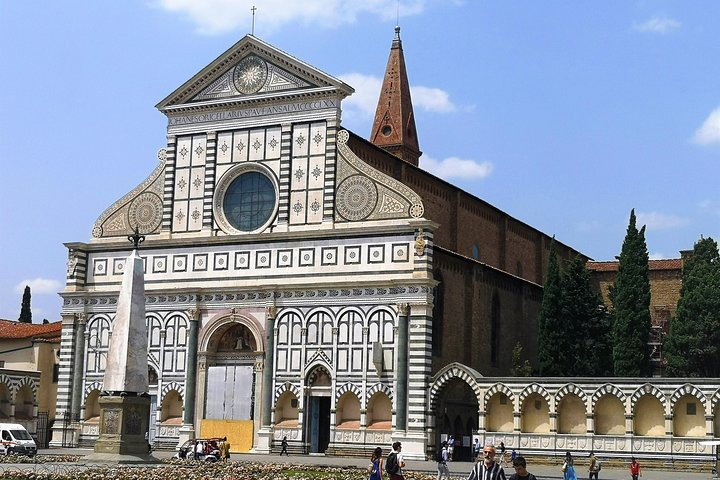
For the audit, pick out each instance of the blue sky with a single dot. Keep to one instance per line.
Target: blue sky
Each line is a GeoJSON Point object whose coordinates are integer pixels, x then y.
{"type": "Point", "coordinates": [564, 114]}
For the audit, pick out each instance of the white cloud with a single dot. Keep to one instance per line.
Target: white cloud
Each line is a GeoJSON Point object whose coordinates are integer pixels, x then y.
{"type": "Point", "coordinates": [454, 167]}
{"type": "Point", "coordinates": [39, 286]}
{"type": "Point", "coordinates": [657, 24]}
{"type": "Point", "coordinates": [659, 221]}
{"type": "Point", "coordinates": [367, 91]}
{"type": "Point", "coordinates": [220, 16]}
{"type": "Point", "coordinates": [656, 256]}
{"type": "Point", "coordinates": [709, 131]}
{"type": "Point", "coordinates": [431, 99]}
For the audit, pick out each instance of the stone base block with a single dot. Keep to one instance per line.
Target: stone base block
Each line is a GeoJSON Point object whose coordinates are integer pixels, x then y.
{"type": "Point", "coordinates": [123, 426]}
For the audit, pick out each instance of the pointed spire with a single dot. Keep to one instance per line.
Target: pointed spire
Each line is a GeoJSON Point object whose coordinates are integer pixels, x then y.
{"type": "Point", "coordinates": [394, 125]}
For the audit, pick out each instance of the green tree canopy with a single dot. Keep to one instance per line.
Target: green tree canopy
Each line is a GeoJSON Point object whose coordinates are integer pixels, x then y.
{"type": "Point", "coordinates": [25, 312]}
{"type": "Point", "coordinates": [587, 323]}
{"type": "Point", "coordinates": [692, 347]}
{"type": "Point", "coordinates": [553, 342]}
{"type": "Point", "coordinates": [630, 297]}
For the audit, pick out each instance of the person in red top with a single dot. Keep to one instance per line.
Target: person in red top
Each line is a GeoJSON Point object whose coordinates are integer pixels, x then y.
{"type": "Point", "coordinates": [634, 468]}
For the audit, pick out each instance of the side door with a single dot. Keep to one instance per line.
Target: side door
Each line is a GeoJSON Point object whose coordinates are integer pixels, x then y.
{"type": "Point", "coordinates": [6, 441]}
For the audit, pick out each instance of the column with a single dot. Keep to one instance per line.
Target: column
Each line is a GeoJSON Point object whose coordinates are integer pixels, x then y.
{"type": "Point", "coordinates": [78, 365]}
{"type": "Point", "coordinates": [191, 373]}
{"type": "Point", "coordinates": [402, 368]}
{"type": "Point", "coordinates": [267, 394]}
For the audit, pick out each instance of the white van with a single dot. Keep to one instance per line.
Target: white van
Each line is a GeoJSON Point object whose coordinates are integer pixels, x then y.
{"type": "Point", "coordinates": [15, 439]}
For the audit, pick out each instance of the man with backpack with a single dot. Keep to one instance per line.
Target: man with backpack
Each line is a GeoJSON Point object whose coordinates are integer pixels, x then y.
{"type": "Point", "coordinates": [441, 459]}
{"type": "Point", "coordinates": [395, 462]}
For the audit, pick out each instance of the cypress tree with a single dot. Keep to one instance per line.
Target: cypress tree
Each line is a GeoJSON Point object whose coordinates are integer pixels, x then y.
{"type": "Point", "coordinates": [25, 313]}
{"type": "Point", "coordinates": [692, 347]}
{"type": "Point", "coordinates": [553, 341]}
{"type": "Point", "coordinates": [630, 297]}
{"type": "Point", "coordinates": [587, 323]}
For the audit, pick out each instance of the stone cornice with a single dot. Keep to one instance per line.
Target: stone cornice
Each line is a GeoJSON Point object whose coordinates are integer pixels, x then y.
{"type": "Point", "coordinates": [103, 302]}
{"type": "Point", "coordinates": [347, 230]}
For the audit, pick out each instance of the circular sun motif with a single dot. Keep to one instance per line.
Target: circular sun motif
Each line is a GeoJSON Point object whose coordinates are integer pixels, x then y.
{"type": "Point", "coordinates": [146, 212]}
{"type": "Point", "coordinates": [250, 74]}
{"type": "Point", "coordinates": [357, 196]}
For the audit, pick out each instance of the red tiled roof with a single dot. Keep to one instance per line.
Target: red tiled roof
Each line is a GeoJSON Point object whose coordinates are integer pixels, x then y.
{"type": "Point", "coordinates": [665, 264]}
{"type": "Point", "coordinates": [12, 329]}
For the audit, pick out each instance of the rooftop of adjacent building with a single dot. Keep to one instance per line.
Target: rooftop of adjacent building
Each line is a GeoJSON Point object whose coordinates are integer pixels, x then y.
{"type": "Point", "coordinates": [11, 329]}
{"type": "Point", "coordinates": [664, 264]}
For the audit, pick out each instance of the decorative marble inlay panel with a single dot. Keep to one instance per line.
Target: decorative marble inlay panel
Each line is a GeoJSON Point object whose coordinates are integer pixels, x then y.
{"type": "Point", "coordinates": [242, 260]}
{"type": "Point", "coordinates": [329, 256]}
{"type": "Point", "coordinates": [111, 422]}
{"type": "Point", "coordinates": [389, 198]}
{"type": "Point", "coordinates": [356, 198]}
{"type": "Point", "coordinates": [300, 140]}
{"type": "Point", "coordinates": [400, 252]}
{"type": "Point", "coordinates": [145, 212]}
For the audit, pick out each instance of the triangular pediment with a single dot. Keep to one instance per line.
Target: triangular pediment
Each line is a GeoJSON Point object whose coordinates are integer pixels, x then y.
{"type": "Point", "coordinates": [249, 70]}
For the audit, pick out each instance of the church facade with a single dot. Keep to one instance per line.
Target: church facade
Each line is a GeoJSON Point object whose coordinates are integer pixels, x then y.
{"type": "Point", "coordinates": [301, 281]}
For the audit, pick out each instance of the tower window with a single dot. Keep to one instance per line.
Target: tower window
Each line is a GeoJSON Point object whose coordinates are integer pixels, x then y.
{"type": "Point", "coordinates": [387, 130]}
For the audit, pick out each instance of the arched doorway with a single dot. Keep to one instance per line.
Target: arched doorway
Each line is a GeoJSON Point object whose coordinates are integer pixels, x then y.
{"type": "Point", "coordinates": [457, 416]}
{"type": "Point", "coordinates": [232, 352]}
{"type": "Point", "coordinates": [318, 401]}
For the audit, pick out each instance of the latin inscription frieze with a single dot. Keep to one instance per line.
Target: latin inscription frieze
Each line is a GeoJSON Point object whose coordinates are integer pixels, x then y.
{"type": "Point", "coordinates": [252, 112]}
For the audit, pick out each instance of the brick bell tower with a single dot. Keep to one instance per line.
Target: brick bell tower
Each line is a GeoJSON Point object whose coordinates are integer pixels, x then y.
{"type": "Point", "coordinates": [394, 126]}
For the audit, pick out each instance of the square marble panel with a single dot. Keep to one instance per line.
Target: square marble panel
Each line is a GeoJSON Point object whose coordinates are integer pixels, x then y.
{"type": "Point", "coordinates": [307, 257]}
{"type": "Point", "coordinates": [200, 262]}
{"type": "Point", "coordinates": [263, 259]}
{"type": "Point", "coordinates": [100, 267]}
{"type": "Point", "coordinates": [329, 255]}
{"type": "Point", "coordinates": [284, 258]}
{"type": "Point", "coordinates": [352, 255]}
{"type": "Point", "coordinates": [242, 260]}
{"type": "Point", "coordinates": [221, 260]}
{"type": "Point", "coordinates": [224, 148]}
{"type": "Point", "coordinates": [376, 253]}
{"type": "Point", "coordinates": [118, 266]}
{"type": "Point", "coordinates": [160, 264]}
{"type": "Point", "coordinates": [180, 263]}
{"type": "Point", "coordinates": [400, 252]}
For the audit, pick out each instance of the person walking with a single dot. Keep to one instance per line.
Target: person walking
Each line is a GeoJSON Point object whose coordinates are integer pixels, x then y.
{"type": "Point", "coordinates": [284, 445]}
{"type": "Point", "coordinates": [593, 467]}
{"type": "Point", "coordinates": [225, 449]}
{"type": "Point", "coordinates": [568, 468]}
{"type": "Point", "coordinates": [395, 462]}
{"type": "Point", "coordinates": [635, 469]}
{"type": "Point", "coordinates": [488, 469]}
{"type": "Point", "coordinates": [476, 450]}
{"type": "Point", "coordinates": [442, 459]}
{"type": "Point", "coordinates": [376, 463]}
{"type": "Point", "coordinates": [520, 466]}
{"type": "Point", "coordinates": [503, 460]}
{"type": "Point", "coordinates": [451, 447]}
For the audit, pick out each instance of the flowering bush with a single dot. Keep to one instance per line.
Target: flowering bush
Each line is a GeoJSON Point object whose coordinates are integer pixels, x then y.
{"type": "Point", "coordinates": [14, 458]}
{"type": "Point", "coordinates": [194, 471]}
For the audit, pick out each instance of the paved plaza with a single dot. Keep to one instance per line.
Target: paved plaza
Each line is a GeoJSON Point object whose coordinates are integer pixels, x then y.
{"type": "Point", "coordinates": [458, 470]}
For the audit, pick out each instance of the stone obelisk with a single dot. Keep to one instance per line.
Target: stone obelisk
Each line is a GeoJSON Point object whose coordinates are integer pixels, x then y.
{"type": "Point", "coordinates": [124, 401]}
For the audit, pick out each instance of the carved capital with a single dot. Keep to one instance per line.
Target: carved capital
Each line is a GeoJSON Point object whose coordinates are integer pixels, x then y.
{"type": "Point", "coordinates": [271, 312]}
{"type": "Point", "coordinates": [403, 309]}
{"type": "Point", "coordinates": [80, 318]}
{"type": "Point", "coordinates": [194, 313]}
